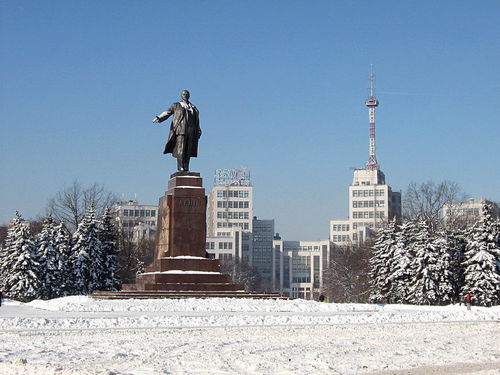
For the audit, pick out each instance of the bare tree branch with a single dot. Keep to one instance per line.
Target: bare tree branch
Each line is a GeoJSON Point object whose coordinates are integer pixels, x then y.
{"type": "Point", "coordinates": [426, 201]}
{"type": "Point", "coordinates": [69, 204]}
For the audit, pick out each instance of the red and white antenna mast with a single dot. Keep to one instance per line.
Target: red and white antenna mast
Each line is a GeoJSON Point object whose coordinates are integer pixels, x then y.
{"type": "Point", "coordinates": [372, 103]}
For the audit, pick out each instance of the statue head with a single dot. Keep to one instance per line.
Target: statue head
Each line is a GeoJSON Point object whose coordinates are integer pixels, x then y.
{"type": "Point", "coordinates": [185, 95]}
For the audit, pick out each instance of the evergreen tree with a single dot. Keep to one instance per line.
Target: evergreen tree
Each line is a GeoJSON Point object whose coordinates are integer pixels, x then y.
{"type": "Point", "coordinates": [19, 265]}
{"type": "Point", "coordinates": [63, 245]}
{"type": "Point", "coordinates": [399, 265]}
{"type": "Point", "coordinates": [380, 262]}
{"type": "Point", "coordinates": [424, 284]}
{"type": "Point", "coordinates": [51, 260]}
{"type": "Point", "coordinates": [445, 271]}
{"type": "Point", "coordinates": [108, 279]}
{"type": "Point", "coordinates": [482, 252]}
{"type": "Point", "coordinates": [456, 241]}
{"type": "Point", "coordinates": [86, 254]}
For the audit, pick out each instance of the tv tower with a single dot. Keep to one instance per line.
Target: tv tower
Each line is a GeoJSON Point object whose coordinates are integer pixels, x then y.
{"type": "Point", "coordinates": [372, 103]}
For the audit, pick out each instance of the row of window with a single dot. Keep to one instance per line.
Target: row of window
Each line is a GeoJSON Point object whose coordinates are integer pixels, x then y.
{"type": "Point", "coordinates": [368, 193]}
{"type": "Point", "coordinates": [340, 227]}
{"type": "Point", "coordinates": [232, 193]}
{"type": "Point", "coordinates": [299, 248]}
{"type": "Point", "coordinates": [378, 224]}
{"type": "Point", "coordinates": [301, 280]}
{"type": "Point", "coordinates": [299, 261]}
{"type": "Point", "coordinates": [141, 213]}
{"type": "Point", "coordinates": [232, 204]}
{"type": "Point", "coordinates": [341, 238]}
{"type": "Point", "coordinates": [463, 211]}
{"type": "Point", "coordinates": [367, 215]}
{"type": "Point", "coordinates": [225, 224]}
{"type": "Point", "coordinates": [375, 203]}
{"type": "Point", "coordinates": [232, 215]}
{"type": "Point", "coordinates": [356, 225]}
{"type": "Point", "coordinates": [131, 224]}
{"type": "Point", "coordinates": [221, 246]}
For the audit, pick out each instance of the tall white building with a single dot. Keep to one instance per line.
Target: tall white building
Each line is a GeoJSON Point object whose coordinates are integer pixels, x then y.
{"type": "Point", "coordinates": [230, 205]}
{"type": "Point", "coordinates": [371, 201]}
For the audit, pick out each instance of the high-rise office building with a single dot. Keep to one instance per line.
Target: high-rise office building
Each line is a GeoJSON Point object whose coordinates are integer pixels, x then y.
{"type": "Point", "coordinates": [230, 205]}
{"type": "Point", "coordinates": [261, 255]}
{"type": "Point", "coordinates": [371, 201]}
{"type": "Point", "coordinates": [233, 231]}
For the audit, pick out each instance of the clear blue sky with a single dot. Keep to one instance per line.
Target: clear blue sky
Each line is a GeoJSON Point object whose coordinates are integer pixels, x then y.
{"type": "Point", "coordinates": [280, 86]}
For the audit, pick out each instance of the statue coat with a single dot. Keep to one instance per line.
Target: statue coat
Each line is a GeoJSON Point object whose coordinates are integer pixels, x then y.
{"type": "Point", "coordinates": [185, 122]}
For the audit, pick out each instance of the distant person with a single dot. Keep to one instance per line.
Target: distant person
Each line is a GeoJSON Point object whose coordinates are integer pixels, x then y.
{"type": "Point", "coordinates": [322, 298]}
{"type": "Point", "coordinates": [1, 296]}
{"type": "Point", "coordinates": [468, 300]}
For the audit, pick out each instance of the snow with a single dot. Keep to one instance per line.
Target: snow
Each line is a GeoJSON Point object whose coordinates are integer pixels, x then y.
{"type": "Point", "coordinates": [78, 335]}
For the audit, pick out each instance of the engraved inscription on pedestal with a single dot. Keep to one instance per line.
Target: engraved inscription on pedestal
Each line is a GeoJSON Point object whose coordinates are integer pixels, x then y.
{"type": "Point", "coordinates": [182, 219]}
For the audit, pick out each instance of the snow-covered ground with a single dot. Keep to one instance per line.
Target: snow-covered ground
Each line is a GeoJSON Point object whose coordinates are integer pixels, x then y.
{"type": "Point", "coordinates": [78, 335]}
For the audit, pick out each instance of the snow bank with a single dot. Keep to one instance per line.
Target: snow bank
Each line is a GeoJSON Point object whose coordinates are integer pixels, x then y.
{"type": "Point", "coordinates": [79, 312]}
{"type": "Point", "coordinates": [81, 336]}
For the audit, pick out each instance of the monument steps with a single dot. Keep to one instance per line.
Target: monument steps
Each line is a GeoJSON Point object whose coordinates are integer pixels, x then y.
{"type": "Point", "coordinates": [178, 277]}
{"type": "Point", "coordinates": [202, 287]}
{"type": "Point", "coordinates": [184, 264]}
{"type": "Point", "coordinates": [176, 294]}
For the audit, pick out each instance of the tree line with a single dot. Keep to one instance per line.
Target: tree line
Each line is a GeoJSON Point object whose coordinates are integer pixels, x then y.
{"type": "Point", "coordinates": [55, 263]}
{"type": "Point", "coordinates": [412, 263]}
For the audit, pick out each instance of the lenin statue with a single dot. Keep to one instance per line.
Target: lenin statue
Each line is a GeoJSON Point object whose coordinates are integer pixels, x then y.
{"type": "Point", "coordinates": [184, 132]}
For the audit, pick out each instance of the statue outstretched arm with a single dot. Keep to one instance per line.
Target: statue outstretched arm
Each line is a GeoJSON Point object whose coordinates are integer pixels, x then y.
{"type": "Point", "coordinates": [163, 116]}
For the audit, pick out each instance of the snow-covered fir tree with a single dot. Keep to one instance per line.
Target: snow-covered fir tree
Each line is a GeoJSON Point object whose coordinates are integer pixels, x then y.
{"type": "Point", "coordinates": [86, 254]}
{"type": "Point", "coordinates": [63, 245]}
{"type": "Point", "coordinates": [108, 279]}
{"type": "Point", "coordinates": [51, 260]}
{"type": "Point", "coordinates": [380, 262]}
{"type": "Point", "coordinates": [456, 241]}
{"type": "Point", "coordinates": [19, 265]}
{"type": "Point", "coordinates": [482, 252]}
{"type": "Point", "coordinates": [445, 270]}
{"type": "Point", "coordinates": [424, 284]}
{"type": "Point", "coordinates": [399, 264]}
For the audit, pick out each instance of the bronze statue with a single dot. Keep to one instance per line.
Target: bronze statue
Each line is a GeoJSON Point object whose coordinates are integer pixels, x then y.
{"type": "Point", "coordinates": [184, 131]}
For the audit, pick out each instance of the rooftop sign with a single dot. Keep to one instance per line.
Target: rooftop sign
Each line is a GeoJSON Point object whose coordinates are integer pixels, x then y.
{"type": "Point", "coordinates": [234, 177]}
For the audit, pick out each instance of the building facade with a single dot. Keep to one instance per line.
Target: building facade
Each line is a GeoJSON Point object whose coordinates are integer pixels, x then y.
{"type": "Point", "coordinates": [261, 255]}
{"type": "Point", "coordinates": [371, 204]}
{"type": "Point", "coordinates": [466, 214]}
{"type": "Point", "coordinates": [226, 247]}
{"type": "Point", "coordinates": [230, 205]}
{"type": "Point", "coordinates": [137, 220]}
{"type": "Point", "coordinates": [298, 266]}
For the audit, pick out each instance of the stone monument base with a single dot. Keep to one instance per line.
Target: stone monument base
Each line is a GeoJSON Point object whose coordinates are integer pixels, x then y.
{"type": "Point", "coordinates": [184, 273]}
{"type": "Point", "coordinates": [183, 277]}
{"type": "Point", "coordinates": [180, 268]}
